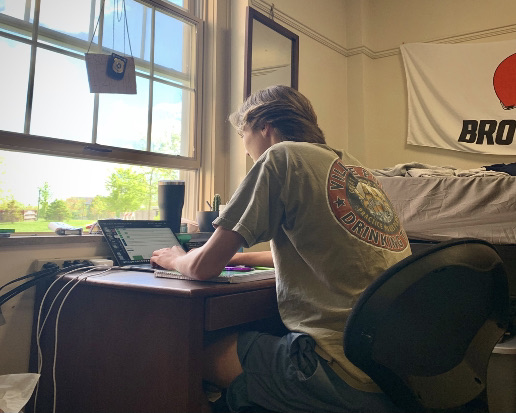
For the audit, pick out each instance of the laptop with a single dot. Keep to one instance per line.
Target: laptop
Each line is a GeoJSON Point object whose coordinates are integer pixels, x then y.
{"type": "Point", "coordinates": [133, 242]}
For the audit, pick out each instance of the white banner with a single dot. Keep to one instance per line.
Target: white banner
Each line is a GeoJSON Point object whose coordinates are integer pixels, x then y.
{"type": "Point", "coordinates": [462, 96]}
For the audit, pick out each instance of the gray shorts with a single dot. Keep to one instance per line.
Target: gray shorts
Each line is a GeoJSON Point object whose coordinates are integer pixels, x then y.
{"type": "Point", "coordinates": [284, 374]}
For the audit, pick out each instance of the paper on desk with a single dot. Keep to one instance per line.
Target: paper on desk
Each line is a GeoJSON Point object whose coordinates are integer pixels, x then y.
{"type": "Point", "coordinates": [15, 391]}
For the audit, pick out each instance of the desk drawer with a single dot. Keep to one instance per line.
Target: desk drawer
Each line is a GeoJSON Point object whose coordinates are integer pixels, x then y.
{"type": "Point", "coordinates": [235, 309]}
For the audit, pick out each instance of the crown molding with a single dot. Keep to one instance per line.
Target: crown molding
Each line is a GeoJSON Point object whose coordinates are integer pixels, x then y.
{"type": "Point", "coordinates": [280, 16]}
{"type": "Point", "coordinates": [268, 9]}
{"type": "Point", "coordinates": [480, 34]}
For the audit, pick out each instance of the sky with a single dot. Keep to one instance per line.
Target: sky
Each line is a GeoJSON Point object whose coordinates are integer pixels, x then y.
{"type": "Point", "coordinates": [66, 177]}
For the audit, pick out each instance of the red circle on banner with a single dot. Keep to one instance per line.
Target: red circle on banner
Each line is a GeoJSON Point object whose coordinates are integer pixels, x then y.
{"type": "Point", "coordinates": [504, 82]}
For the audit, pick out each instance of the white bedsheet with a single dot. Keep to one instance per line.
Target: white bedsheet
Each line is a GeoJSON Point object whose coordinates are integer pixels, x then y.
{"type": "Point", "coordinates": [438, 208]}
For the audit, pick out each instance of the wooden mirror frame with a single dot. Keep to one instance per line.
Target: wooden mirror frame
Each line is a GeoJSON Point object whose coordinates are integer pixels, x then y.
{"type": "Point", "coordinates": [252, 15]}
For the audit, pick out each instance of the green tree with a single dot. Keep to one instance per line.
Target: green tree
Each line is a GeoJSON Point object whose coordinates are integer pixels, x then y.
{"type": "Point", "coordinates": [98, 208]}
{"type": "Point", "coordinates": [127, 191]}
{"type": "Point", "coordinates": [13, 210]}
{"type": "Point", "coordinates": [58, 211]}
{"type": "Point", "coordinates": [78, 207]}
{"type": "Point", "coordinates": [43, 200]}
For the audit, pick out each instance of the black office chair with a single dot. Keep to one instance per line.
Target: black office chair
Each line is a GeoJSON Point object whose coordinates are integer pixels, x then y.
{"type": "Point", "coordinates": [425, 329]}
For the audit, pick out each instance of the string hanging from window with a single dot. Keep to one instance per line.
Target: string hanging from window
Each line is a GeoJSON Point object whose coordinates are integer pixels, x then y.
{"type": "Point", "coordinates": [112, 73]}
{"type": "Point", "coordinates": [121, 12]}
{"type": "Point", "coordinates": [118, 13]}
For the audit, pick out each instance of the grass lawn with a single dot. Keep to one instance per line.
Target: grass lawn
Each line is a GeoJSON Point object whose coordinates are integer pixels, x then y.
{"type": "Point", "coordinates": [41, 226]}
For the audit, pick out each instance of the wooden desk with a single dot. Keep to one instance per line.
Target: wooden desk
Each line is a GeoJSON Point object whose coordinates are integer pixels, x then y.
{"type": "Point", "coordinates": [130, 342]}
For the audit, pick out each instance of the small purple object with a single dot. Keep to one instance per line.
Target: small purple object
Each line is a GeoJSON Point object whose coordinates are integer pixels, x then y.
{"type": "Point", "coordinates": [238, 268]}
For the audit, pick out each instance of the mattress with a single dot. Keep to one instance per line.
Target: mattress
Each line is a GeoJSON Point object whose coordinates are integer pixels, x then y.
{"type": "Point", "coordinates": [438, 208]}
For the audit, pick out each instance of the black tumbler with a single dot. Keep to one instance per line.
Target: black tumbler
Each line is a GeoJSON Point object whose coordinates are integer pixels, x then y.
{"type": "Point", "coordinates": [171, 197]}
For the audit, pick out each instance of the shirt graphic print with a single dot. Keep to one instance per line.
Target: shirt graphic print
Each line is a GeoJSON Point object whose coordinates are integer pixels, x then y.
{"type": "Point", "coordinates": [361, 207]}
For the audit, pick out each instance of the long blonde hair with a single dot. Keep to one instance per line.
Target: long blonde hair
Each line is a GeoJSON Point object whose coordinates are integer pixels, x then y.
{"type": "Point", "coordinates": [289, 112]}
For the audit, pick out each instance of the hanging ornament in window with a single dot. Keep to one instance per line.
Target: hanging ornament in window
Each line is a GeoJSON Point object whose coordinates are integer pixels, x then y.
{"type": "Point", "coordinates": [113, 73]}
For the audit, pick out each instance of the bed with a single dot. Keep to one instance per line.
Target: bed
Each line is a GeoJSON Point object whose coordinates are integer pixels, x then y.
{"type": "Point", "coordinates": [441, 203]}
{"type": "Point", "coordinates": [440, 208]}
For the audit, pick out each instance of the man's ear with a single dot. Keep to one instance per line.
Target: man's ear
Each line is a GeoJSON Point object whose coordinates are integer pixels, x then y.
{"type": "Point", "coordinates": [266, 130]}
{"type": "Point", "coordinates": [270, 132]}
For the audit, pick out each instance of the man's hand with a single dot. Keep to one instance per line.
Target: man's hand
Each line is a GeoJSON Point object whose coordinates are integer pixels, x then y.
{"type": "Point", "coordinates": [166, 257]}
{"type": "Point", "coordinates": [204, 262]}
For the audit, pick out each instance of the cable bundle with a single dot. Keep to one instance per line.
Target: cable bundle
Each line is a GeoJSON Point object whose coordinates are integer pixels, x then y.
{"type": "Point", "coordinates": [49, 270]}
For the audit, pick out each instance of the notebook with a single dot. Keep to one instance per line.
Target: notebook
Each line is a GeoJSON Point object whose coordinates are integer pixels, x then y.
{"type": "Point", "coordinates": [133, 242]}
{"type": "Point", "coordinates": [225, 276]}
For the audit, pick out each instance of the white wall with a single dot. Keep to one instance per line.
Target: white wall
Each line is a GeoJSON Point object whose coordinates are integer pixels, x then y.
{"type": "Point", "coordinates": [18, 260]}
{"type": "Point", "coordinates": [322, 79]}
{"type": "Point", "coordinates": [322, 69]}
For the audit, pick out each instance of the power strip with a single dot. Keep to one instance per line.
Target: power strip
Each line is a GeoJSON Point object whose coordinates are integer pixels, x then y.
{"type": "Point", "coordinates": [65, 262]}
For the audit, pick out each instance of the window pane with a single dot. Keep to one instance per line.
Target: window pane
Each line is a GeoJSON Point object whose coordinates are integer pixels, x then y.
{"type": "Point", "coordinates": [123, 119]}
{"type": "Point", "coordinates": [170, 120]}
{"type": "Point", "coordinates": [177, 57]}
{"type": "Point", "coordinates": [63, 105]}
{"type": "Point", "coordinates": [180, 3]}
{"type": "Point", "coordinates": [90, 190]}
{"type": "Point", "coordinates": [56, 15]}
{"type": "Point", "coordinates": [13, 84]}
{"type": "Point", "coordinates": [15, 19]}
{"type": "Point", "coordinates": [136, 36]}
{"type": "Point", "coordinates": [13, 8]}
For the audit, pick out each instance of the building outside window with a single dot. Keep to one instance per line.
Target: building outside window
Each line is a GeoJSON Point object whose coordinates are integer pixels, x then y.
{"type": "Point", "coordinates": [70, 155]}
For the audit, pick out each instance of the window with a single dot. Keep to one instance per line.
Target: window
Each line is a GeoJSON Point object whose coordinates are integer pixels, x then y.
{"type": "Point", "coordinates": [52, 127]}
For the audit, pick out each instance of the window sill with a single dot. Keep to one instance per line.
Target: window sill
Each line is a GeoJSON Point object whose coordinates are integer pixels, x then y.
{"type": "Point", "coordinates": [48, 239]}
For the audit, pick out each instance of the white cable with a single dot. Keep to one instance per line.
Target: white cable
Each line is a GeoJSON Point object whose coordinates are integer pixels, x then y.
{"type": "Point", "coordinates": [105, 270]}
{"type": "Point", "coordinates": [39, 329]}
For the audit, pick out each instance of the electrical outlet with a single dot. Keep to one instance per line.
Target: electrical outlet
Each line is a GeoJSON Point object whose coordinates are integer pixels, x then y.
{"type": "Point", "coordinates": [38, 264]}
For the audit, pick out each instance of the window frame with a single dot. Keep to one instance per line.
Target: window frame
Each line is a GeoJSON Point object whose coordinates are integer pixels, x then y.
{"type": "Point", "coordinates": [27, 142]}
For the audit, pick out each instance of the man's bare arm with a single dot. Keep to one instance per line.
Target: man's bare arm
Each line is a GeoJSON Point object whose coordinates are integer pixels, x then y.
{"type": "Point", "coordinates": [253, 259]}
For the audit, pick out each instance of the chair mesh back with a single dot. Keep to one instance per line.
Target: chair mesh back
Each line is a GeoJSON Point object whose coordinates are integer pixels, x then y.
{"type": "Point", "coordinates": [425, 329]}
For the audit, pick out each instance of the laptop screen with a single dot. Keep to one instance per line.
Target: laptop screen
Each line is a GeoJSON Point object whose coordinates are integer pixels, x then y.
{"type": "Point", "coordinates": [133, 242]}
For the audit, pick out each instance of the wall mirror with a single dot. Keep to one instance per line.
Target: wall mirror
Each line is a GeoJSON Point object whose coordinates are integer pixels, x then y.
{"type": "Point", "coordinates": [271, 54]}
